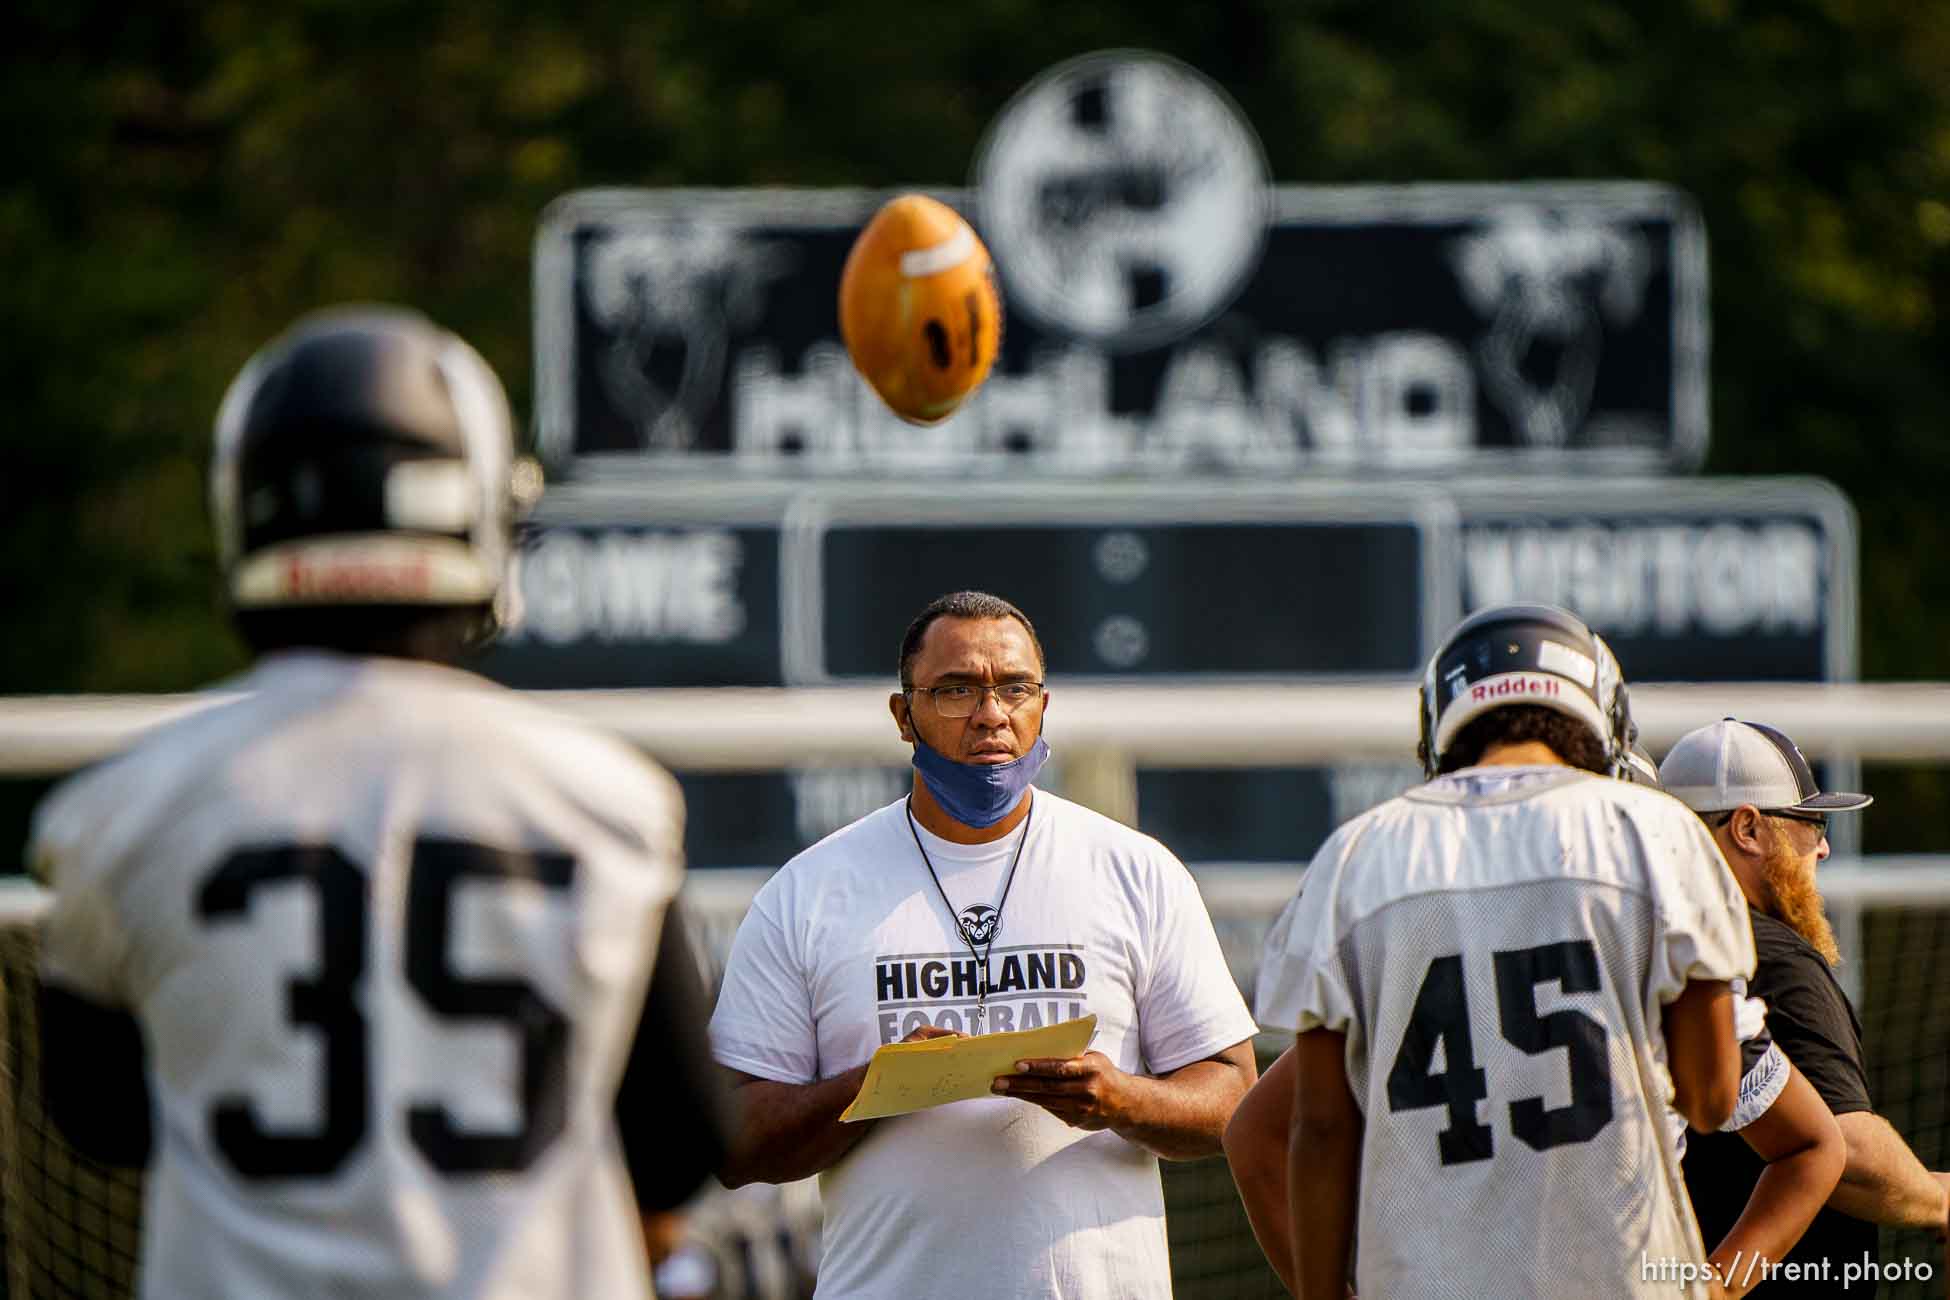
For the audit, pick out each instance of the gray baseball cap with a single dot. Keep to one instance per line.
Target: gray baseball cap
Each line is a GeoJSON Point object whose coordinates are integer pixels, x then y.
{"type": "Point", "coordinates": [1720, 767]}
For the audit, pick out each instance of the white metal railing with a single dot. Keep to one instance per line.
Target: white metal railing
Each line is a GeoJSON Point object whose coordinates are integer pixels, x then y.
{"type": "Point", "coordinates": [1226, 724]}
{"type": "Point", "coordinates": [1107, 730]}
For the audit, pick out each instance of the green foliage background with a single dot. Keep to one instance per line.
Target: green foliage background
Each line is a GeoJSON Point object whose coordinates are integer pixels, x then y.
{"type": "Point", "coordinates": [181, 179]}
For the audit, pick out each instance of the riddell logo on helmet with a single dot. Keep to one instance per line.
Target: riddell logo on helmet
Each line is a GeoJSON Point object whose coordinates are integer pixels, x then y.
{"type": "Point", "coordinates": [372, 579]}
{"type": "Point", "coordinates": [1513, 686]}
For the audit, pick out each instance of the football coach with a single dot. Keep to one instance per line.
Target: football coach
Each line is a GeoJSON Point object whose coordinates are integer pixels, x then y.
{"type": "Point", "coordinates": [980, 903]}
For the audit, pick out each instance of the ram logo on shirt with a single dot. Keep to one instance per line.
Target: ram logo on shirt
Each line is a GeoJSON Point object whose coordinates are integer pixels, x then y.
{"type": "Point", "coordinates": [978, 922]}
{"type": "Point", "coordinates": [1032, 986]}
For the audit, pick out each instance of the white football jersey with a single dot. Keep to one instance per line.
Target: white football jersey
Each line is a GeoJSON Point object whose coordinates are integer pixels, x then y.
{"type": "Point", "coordinates": [387, 929]}
{"type": "Point", "coordinates": [1497, 946]}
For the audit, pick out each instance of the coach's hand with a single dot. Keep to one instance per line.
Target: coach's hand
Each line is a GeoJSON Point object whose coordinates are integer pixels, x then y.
{"type": "Point", "coordinates": [1085, 1092]}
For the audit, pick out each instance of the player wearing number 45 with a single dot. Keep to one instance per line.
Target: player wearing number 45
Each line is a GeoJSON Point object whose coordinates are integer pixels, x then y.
{"type": "Point", "coordinates": [376, 966]}
{"type": "Point", "coordinates": [1792, 1148]}
{"type": "Point", "coordinates": [1500, 981]}
{"type": "Point", "coordinates": [982, 903]}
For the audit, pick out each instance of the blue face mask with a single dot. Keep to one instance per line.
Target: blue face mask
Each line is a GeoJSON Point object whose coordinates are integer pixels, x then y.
{"type": "Point", "coordinates": [977, 794]}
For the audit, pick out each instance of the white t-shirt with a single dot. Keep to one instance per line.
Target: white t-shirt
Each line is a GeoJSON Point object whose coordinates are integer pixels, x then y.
{"type": "Point", "coordinates": [1497, 946]}
{"type": "Point", "coordinates": [388, 929]}
{"type": "Point", "coordinates": [850, 946]}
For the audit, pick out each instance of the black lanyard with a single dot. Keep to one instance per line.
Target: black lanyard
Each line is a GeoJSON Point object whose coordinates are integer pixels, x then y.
{"type": "Point", "coordinates": [982, 993]}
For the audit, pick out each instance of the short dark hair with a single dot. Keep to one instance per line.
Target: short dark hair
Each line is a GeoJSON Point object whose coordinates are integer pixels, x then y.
{"type": "Point", "coordinates": [1513, 724]}
{"type": "Point", "coordinates": [961, 604]}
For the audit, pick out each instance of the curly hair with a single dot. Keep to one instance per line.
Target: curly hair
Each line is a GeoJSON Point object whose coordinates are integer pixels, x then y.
{"type": "Point", "coordinates": [1513, 724]}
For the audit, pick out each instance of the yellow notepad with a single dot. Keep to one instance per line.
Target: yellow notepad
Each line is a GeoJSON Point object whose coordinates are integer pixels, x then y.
{"type": "Point", "coordinates": [905, 1077]}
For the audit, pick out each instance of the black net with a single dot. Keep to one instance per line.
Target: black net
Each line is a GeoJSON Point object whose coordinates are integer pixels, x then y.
{"type": "Point", "coordinates": [1906, 1038]}
{"type": "Point", "coordinates": [1213, 1253]}
{"type": "Point", "coordinates": [71, 1225]}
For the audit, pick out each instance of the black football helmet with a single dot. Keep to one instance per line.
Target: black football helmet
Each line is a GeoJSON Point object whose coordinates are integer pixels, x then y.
{"type": "Point", "coordinates": [364, 457]}
{"type": "Point", "coordinates": [1525, 654]}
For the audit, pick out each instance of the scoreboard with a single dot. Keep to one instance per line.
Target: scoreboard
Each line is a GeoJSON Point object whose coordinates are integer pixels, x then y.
{"type": "Point", "coordinates": [1235, 431]}
{"type": "Point", "coordinates": [1136, 585]}
{"type": "Point", "coordinates": [792, 585]}
{"type": "Point", "coordinates": [1688, 580]}
{"type": "Point", "coordinates": [815, 586]}
{"type": "Point", "coordinates": [1421, 329]}
{"type": "Point", "coordinates": [625, 584]}
{"type": "Point", "coordinates": [1142, 597]}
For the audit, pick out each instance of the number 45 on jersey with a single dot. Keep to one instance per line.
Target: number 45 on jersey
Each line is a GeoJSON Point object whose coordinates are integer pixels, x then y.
{"type": "Point", "coordinates": [1441, 1016]}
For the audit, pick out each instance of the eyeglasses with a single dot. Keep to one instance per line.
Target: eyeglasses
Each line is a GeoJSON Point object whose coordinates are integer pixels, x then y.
{"type": "Point", "coordinates": [1817, 820]}
{"type": "Point", "coordinates": [961, 699]}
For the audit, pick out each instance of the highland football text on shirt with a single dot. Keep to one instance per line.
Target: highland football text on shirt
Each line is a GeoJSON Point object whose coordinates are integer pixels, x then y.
{"type": "Point", "coordinates": [1030, 987]}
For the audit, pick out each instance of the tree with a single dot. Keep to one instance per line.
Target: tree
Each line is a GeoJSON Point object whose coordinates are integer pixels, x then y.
{"type": "Point", "coordinates": [185, 179]}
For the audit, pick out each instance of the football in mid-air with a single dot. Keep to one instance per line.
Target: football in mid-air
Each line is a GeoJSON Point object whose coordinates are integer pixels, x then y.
{"type": "Point", "coordinates": [919, 309]}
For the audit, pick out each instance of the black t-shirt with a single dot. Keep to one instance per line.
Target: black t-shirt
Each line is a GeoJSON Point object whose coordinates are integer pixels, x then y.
{"type": "Point", "coordinates": [1810, 1017]}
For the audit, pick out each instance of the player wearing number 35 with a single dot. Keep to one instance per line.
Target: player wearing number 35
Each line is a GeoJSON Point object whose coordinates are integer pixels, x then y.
{"type": "Point", "coordinates": [980, 904]}
{"type": "Point", "coordinates": [375, 966]}
{"type": "Point", "coordinates": [1500, 981]}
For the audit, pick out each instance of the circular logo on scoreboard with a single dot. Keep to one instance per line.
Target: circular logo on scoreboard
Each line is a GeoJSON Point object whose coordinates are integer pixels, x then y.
{"type": "Point", "coordinates": [1125, 198]}
{"type": "Point", "coordinates": [1121, 556]}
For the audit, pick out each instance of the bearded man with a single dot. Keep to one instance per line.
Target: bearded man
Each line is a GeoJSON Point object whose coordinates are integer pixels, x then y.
{"type": "Point", "coordinates": [1756, 793]}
